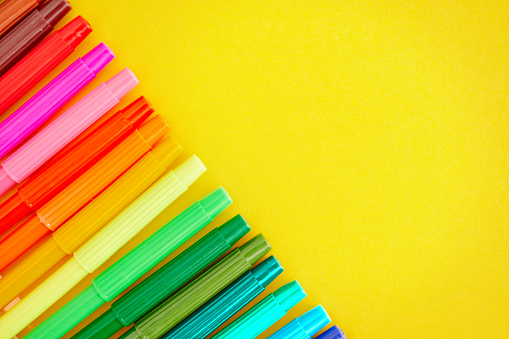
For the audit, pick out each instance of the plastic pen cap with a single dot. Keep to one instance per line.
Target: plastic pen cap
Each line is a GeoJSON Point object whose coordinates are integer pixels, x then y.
{"type": "Point", "coordinates": [98, 57]}
{"type": "Point", "coordinates": [234, 229]}
{"type": "Point", "coordinates": [138, 111]}
{"type": "Point", "coordinates": [254, 249]}
{"type": "Point", "coordinates": [216, 202]}
{"type": "Point", "coordinates": [53, 11]}
{"type": "Point", "coordinates": [314, 320]}
{"type": "Point", "coordinates": [190, 170]}
{"type": "Point", "coordinates": [122, 83]}
{"type": "Point", "coordinates": [266, 271]}
{"type": "Point", "coordinates": [154, 129]}
{"type": "Point", "coordinates": [75, 31]}
{"type": "Point", "coordinates": [289, 295]}
{"type": "Point", "coordinates": [332, 333]}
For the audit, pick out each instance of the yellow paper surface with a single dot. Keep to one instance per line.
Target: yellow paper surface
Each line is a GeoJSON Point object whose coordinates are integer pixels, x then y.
{"type": "Point", "coordinates": [368, 141]}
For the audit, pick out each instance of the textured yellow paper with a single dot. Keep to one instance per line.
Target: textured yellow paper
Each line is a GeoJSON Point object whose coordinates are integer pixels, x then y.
{"type": "Point", "coordinates": [367, 140]}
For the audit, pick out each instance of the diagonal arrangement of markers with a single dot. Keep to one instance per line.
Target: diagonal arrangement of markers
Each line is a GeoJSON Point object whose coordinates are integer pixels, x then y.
{"type": "Point", "coordinates": [90, 181]}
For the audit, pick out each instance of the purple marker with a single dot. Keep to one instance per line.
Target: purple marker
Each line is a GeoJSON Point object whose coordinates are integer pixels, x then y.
{"type": "Point", "coordinates": [39, 108]}
{"type": "Point", "coordinates": [332, 333]}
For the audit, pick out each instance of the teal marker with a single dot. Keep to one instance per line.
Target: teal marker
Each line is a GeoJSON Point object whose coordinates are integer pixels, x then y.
{"type": "Point", "coordinates": [305, 326]}
{"type": "Point", "coordinates": [228, 302]}
{"type": "Point", "coordinates": [166, 280]}
{"type": "Point", "coordinates": [264, 314]}
{"type": "Point", "coordinates": [132, 266]}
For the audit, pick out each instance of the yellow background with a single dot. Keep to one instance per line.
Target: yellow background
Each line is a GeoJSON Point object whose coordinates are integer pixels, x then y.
{"type": "Point", "coordinates": [367, 141]}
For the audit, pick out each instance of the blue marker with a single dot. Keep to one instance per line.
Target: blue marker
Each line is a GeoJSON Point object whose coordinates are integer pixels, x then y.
{"type": "Point", "coordinates": [305, 326]}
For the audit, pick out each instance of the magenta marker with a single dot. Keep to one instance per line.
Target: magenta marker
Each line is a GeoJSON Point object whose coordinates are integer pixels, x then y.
{"type": "Point", "coordinates": [38, 109]}
{"type": "Point", "coordinates": [36, 151]}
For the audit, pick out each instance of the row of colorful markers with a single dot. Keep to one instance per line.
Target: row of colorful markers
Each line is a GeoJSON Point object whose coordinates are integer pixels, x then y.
{"type": "Point", "coordinates": [93, 178]}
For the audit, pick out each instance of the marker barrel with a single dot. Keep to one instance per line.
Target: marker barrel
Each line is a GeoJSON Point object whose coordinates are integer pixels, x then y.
{"type": "Point", "coordinates": [41, 147]}
{"type": "Point", "coordinates": [63, 169]}
{"type": "Point", "coordinates": [181, 304]}
{"type": "Point", "coordinates": [40, 61]}
{"type": "Point", "coordinates": [228, 302]}
{"type": "Point", "coordinates": [305, 326]}
{"type": "Point", "coordinates": [98, 249]}
{"type": "Point", "coordinates": [264, 314]}
{"type": "Point", "coordinates": [89, 220]}
{"type": "Point", "coordinates": [30, 31]}
{"type": "Point", "coordinates": [133, 265]}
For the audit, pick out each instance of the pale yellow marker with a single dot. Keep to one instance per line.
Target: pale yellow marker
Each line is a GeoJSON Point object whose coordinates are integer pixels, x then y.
{"type": "Point", "coordinates": [102, 246]}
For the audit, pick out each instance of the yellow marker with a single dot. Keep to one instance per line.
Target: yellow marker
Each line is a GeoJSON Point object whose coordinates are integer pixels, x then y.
{"type": "Point", "coordinates": [102, 246]}
{"type": "Point", "coordinates": [89, 220]}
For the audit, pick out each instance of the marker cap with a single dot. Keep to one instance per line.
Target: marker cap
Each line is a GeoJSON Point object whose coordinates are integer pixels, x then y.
{"type": "Point", "coordinates": [289, 295]}
{"type": "Point", "coordinates": [6, 182]}
{"type": "Point", "coordinates": [154, 129]}
{"type": "Point", "coordinates": [216, 202]}
{"type": "Point", "coordinates": [75, 31]}
{"type": "Point", "coordinates": [234, 229]}
{"type": "Point", "coordinates": [190, 170]}
{"type": "Point", "coordinates": [122, 83]}
{"type": "Point", "coordinates": [332, 333]}
{"type": "Point", "coordinates": [138, 111]}
{"type": "Point", "coordinates": [266, 271]}
{"type": "Point", "coordinates": [314, 320]}
{"type": "Point", "coordinates": [98, 57]}
{"type": "Point", "coordinates": [53, 11]}
{"type": "Point", "coordinates": [255, 249]}
{"type": "Point", "coordinates": [167, 151]}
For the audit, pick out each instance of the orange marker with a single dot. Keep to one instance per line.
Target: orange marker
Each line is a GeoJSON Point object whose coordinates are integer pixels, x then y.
{"type": "Point", "coordinates": [83, 190]}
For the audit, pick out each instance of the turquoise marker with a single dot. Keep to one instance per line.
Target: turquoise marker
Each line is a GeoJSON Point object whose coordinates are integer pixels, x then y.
{"type": "Point", "coordinates": [226, 304]}
{"type": "Point", "coordinates": [264, 314]}
{"type": "Point", "coordinates": [305, 326]}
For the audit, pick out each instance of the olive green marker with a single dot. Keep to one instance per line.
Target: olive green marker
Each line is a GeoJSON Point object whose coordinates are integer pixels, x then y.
{"type": "Point", "coordinates": [176, 308]}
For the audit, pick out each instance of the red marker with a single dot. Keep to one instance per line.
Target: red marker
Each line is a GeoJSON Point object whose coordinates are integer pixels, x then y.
{"type": "Point", "coordinates": [40, 61]}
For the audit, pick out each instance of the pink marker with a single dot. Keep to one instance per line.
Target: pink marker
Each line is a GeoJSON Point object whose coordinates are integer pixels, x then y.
{"type": "Point", "coordinates": [35, 152]}
{"type": "Point", "coordinates": [38, 109]}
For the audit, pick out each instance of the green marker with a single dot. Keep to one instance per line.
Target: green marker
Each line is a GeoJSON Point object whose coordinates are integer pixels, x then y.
{"type": "Point", "coordinates": [141, 299]}
{"type": "Point", "coordinates": [175, 309]}
{"type": "Point", "coordinates": [133, 265]}
{"type": "Point", "coordinates": [264, 314]}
